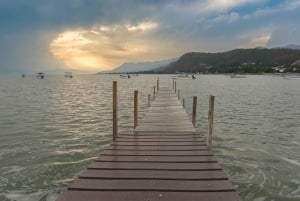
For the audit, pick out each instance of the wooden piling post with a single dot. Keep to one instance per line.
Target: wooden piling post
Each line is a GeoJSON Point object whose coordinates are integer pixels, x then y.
{"type": "Point", "coordinates": [194, 110]}
{"type": "Point", "coordinates": [149, 97]}
{"type": "Point", "coordinates": [135, 112]}
{"type": "Point", "coordinates": [178, 94]}
{"type": "Point", "coordinates": [115, 118]}
{"type": "Point", "coordinates": [153, 92]}
{"type": "Point", "coordinates": [183, 102]}
{"type": "Point", "coordinates": [175, 86]}
{"type": "Point", "coordinates": [210, 120]}
{"type": "Point", "coordinates": [157, 84]}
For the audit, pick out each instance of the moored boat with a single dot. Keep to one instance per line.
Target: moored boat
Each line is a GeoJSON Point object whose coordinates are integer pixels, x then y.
{"type": "Point", "coordinates": [40, 75]}
{"type": "Point", "coordinates": [237, 76]}
{"type": "Point", "coordinates": [68, 74]}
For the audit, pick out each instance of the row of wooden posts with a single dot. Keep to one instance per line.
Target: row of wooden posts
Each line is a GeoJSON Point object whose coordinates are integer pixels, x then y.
{"type": "Point", "coordinates": [135, 113]}
{"type": "Point", "coordinates": [194, 112]}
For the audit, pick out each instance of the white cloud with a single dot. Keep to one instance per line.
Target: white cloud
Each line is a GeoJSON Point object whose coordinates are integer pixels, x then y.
{"type": "Point", "coordinates": [228, 18]}
{"type": "Point", "coordinates": [281, 8]}
{"type": "Point", "coordinates": [261, 40]}
{"type": "Point", "coordinates": [144, 26]}
{"type": "Point", "coordinates": [210, 6]}
{"type": "Point", "coordinates": [224, 5]}
{"type": "Point", "coordinates": [258, 37]}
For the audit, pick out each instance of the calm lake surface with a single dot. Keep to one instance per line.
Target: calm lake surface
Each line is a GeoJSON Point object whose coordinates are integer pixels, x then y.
{"type": "Point", "coordinates": [51, 129]}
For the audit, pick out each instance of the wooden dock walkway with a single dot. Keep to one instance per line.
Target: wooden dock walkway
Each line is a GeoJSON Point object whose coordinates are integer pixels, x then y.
{"type": "Point", "coordinates": [165, 159]}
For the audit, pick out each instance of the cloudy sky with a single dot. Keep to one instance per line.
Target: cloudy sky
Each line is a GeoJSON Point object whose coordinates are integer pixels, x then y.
{"type": "Point", "coordinates": [88, 36]}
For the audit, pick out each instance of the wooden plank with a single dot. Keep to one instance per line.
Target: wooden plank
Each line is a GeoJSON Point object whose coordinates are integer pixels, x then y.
{"type": "Point", "coordinates": [161, 159]}
{"type": "Point", "coordinates": [168, 124]}
{"type": "Point", "coordinates": [160, 143]}
{"type": "Point", "coordinates": [159, 140]}
{"type": "Point", "coordinates": [155, 136]}
{"type": "Point", "coordinates": [154, 166]}
{"type": "Point", "coordinates": [152, 185]}
{"type": "Point", "coordinates": [156, 153]}
{"type": "Point", "coordinates": [157, 148]}
{"type": "Point", "coordinates": [166, 132]}
{"type": "Point", "coordinates": [159, 128]}
{"type": "Point", "coordinates": [70, 195]}
{"type": "Point", "coordinates": [154, 174]}
{"type": "Point", "coordinates": [153, 119]}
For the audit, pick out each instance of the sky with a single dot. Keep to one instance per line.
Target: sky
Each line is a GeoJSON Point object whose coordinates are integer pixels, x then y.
{"type": "Point", "coordinates": [88, 36]}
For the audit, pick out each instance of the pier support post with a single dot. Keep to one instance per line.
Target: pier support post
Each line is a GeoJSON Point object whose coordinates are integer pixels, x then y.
{"type": "Point", "coordinates": [153, 92]}
{"type": "Point", "coordinates": [175, 86]}
{"type": "Point", "coordinates": [178, 94]}
{"type": "Point", "coordinates": [135, 112]}
{"type": "Point", "coordinates": [210, 120]}
{"type": "Point", "coordinates": [149, 97]}
{"type": "Point", "coordinates": [173, 83]}
{"type": "Point", "coordinates": [194, 110]}
{"type": "Point", "coordinates": [115, 118]}
{"type": "Point", "coordinates": [157, 84]}
{"type": "Point", "coordinates": [183, 103]}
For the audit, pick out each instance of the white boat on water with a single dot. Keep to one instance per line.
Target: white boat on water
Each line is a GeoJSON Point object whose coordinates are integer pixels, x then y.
{"type": "Point", "coordinates": [290, 76]}
{"type": "Point", "coordinates": [237, 76]}
{"type": "Point", "coordinates": [125, 76]}
{"type": "Point", "coordinates": [69, 74]}
{"type": "Point", "coordinates": [181, 75]}
{"type": "Point", "coordinates": [40, 75]}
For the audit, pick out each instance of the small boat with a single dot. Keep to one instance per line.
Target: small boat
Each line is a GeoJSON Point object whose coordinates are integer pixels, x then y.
{"type": "Point", "coordinates": [278, 74]}
{"type": "Point", "coordinates": [68, 75]}
{"type": "Point", "coordinates": [40, 75]}
{"type": "Point", "coordinates": [292, 76]}
{"type": "Point", "coordinates": [237, 76]}
{"type": "Point", "coordinates": [125, 76]}
{"type": "Point", "coordinates": [179, 74]}
{"type": "Point", "coordinates": [23, 75]}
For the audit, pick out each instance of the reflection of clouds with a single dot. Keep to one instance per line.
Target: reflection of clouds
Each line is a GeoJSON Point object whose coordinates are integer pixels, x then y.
{"type": "Point", "coordinates": [104, 47]}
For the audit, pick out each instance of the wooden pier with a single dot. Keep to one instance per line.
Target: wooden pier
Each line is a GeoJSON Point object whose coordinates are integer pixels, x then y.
{"type": "Point", "coordinates": [164, 159]}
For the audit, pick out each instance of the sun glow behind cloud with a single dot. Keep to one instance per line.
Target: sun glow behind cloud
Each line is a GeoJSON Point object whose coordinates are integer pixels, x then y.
{"type": "Point", "coordinates": [104, 47]}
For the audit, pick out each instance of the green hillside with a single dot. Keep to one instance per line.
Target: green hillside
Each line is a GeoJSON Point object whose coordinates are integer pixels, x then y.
{"type": "Point", "coordinates": [236, 61]}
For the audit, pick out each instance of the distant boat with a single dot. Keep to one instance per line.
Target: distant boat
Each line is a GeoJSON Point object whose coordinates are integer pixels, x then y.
{"type": "Point", "coordinates": [279, 74]}
{"type": "Point", "coordinates": [179, 74]}
{"type": "Point", "coordinates": [237, 76]}
{"type": "Point", "coordinates": [68, 74]}
{"type": "Point", "coordinates": [23, 75]}
{"type": "Point", "coordinates": [125, 76]}
{"type": "Point", "coordinates": [292, 76]}
{"type": "Point", "coordinates": [40, 75]}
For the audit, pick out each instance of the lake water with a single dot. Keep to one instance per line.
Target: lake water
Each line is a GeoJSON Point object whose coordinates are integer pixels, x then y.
{"type": "Point", "coordinates": [51, 129]}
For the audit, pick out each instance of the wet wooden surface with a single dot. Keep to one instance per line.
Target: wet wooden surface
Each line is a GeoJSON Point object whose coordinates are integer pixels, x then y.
{"type": "Point", "coordinates": [165, 159]}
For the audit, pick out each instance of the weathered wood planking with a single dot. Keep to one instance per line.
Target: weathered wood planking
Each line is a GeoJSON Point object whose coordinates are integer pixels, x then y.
{"type": "Point", "coordinates": [165, 159]}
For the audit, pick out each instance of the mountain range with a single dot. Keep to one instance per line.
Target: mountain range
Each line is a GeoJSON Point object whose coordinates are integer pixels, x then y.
{"type": "Point", "coordinates": [235, 61]}
{"type": "Point", "coordinates": [255, 60]}
{"type": "Point", "coordinates": [140, 66]}
{"type": "Point", "coordinates": [290, 46]}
